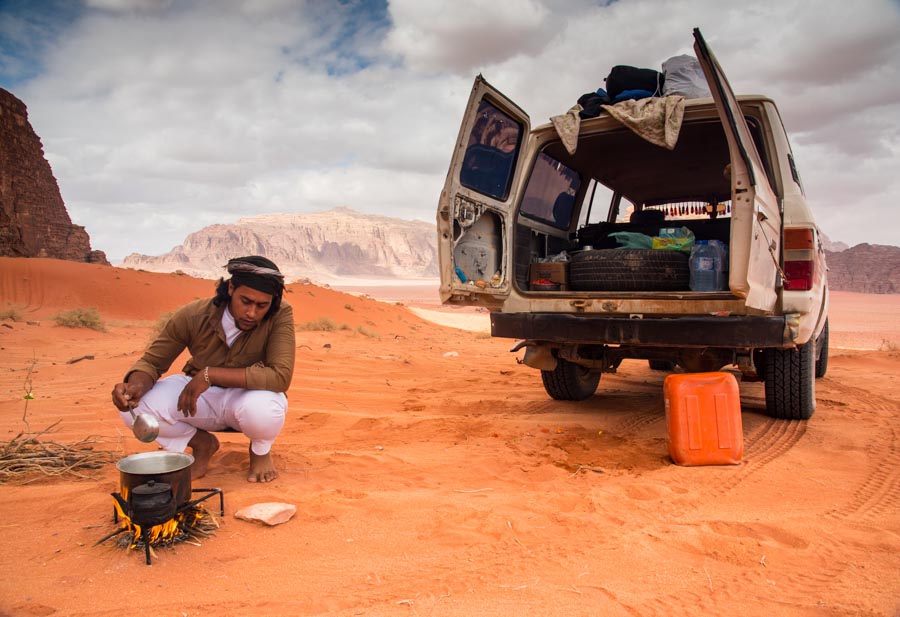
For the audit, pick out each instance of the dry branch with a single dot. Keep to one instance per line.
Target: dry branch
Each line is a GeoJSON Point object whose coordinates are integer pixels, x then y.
{"type": "Point", "coordinates": [26, 458]}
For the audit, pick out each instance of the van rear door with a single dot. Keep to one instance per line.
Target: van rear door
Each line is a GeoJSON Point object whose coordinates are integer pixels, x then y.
{"type": "Point", "coordinates": [755, 212]}
{"type": "Point", "coordinates": [474, 209]}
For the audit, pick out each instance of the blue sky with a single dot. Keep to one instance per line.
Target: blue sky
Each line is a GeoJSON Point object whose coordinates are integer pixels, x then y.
{"type": "Point", "coordinates": [160, 117]}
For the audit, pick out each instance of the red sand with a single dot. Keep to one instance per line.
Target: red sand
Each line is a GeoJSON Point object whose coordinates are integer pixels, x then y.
{"type": "Point", "coordinates": [452, 485]}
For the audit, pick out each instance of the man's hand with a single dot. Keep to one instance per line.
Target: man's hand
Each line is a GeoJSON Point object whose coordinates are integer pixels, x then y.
{"type": "Point", "coordinates": [187, 400]}
{"type": "Point", "coordinates": [126, 396]}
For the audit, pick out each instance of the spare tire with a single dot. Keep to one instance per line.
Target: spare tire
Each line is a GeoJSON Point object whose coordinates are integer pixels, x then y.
{"type": "Point", "coordinates": [629, 270]}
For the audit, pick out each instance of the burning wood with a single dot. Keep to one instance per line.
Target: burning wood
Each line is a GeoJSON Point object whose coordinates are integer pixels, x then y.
{"type": "Point", "coordinates": [190, 525]}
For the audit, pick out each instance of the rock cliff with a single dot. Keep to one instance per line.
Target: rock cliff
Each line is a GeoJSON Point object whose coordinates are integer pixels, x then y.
{"type": "Point", "coordinates": [322, 245]}
{"type": "Point", "coordinates": [33, 217]}
{"type": "Point", "coordinates": [865, 268]}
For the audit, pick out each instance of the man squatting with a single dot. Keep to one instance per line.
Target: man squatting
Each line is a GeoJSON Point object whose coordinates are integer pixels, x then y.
{"type": "Point", "coordinates": [242, 359]}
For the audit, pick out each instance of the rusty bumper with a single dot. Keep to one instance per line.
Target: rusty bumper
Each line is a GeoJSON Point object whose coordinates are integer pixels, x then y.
{"type": "Point", "coordinates": [693, 331]}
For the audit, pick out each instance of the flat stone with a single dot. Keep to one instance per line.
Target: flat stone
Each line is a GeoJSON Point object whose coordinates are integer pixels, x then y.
{"type": "Point", "coordinates": [270, 513]}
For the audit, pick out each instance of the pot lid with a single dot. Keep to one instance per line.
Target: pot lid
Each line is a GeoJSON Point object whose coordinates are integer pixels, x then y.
{"type": "Point", "coordinates": [152, 488]}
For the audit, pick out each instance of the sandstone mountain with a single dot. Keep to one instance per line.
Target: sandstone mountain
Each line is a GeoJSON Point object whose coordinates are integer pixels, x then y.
{"type": "Point", "coordinates": [865, 268]}
{"type": "Point", "coordinates": [33, 217]}
{"type": "Point", "coordinates": [833, 247]}
{"type": "Point", "coordinates": [323, 246]}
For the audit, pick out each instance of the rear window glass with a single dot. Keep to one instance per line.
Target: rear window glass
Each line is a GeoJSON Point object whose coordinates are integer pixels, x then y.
{"type": "Point", "coordinates": [491, 152]}
{"type": "Point", "coordinates": [675, 211]}
{"type": "Point", "coordinates": [550, 195]}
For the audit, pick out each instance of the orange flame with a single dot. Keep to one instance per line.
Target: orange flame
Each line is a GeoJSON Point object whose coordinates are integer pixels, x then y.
{"type": "Point", "coordinates": [163, 534]}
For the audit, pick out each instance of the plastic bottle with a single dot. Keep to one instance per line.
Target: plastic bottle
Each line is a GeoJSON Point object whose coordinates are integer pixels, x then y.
{"type": "Point", "coordinates": [722, 272]}
{"type": "Point", "coordinates": [706, 267]}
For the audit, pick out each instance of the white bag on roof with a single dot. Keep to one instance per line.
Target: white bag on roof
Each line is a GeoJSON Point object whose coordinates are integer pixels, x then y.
{"type": "Point", "coordinates": [685, 77]}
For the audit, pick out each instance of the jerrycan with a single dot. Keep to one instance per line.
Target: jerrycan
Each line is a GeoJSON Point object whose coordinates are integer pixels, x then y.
{"type": "Point", "coordinates": [703, 418]}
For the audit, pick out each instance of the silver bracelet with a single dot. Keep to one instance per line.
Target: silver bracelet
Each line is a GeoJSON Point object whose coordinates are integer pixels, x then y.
{"type": "Point", "coordinates": [206, 375]}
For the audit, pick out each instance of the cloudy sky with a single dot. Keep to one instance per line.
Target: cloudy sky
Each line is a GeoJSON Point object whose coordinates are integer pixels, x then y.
{"type": "Point", "coordinates": [160, 117]}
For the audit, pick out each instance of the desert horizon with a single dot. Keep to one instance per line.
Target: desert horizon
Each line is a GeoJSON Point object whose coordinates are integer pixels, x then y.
{"type": "Point", "coordinates": [432, 474]}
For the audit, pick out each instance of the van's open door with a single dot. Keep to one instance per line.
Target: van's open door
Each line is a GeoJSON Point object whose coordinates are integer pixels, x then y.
{"type": "Point", "coordinates": [473, 212]}
{"type": "Point", "coordinates": [755, 213]}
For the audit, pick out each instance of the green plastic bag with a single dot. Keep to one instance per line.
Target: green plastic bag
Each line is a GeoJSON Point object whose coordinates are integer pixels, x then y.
{"type": "Point", "coordinates": [632, 240]}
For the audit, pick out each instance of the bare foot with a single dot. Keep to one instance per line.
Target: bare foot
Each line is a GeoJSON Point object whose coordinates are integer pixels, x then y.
{"type": "Point", "coordinates": [203, 445]}
{"type": "Point", "coordinates": [262, 468]}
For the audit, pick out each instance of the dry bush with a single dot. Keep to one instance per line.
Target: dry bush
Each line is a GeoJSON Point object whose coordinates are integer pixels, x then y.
{"type": "Point", "coordinates": [368, 332]}
{"type": "Point", "coordinates": [12, 313]}
{"type": "Point", "coordinates": [322, 324]}
{"type": "Point", "coordinates": [81, 318]}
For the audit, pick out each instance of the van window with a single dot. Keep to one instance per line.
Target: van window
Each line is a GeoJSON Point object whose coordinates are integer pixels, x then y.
{"type": "Point", "coordinates": [491, 152]}
{"type": "Point", "coordinates": [550, 194]}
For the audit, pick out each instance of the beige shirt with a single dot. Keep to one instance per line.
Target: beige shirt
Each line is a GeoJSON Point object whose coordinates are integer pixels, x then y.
{"type": "Point", "coordinates": [266, 352]}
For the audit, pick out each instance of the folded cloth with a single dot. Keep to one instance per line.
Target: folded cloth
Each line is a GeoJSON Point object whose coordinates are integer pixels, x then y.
{"type": "Point", "coordinates": [567, 126]}
{"type": "Point", "coordinates": [656, 119]}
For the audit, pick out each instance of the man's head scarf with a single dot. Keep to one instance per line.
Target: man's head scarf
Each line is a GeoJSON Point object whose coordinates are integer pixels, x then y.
{"type": "Point", "coordinates": [256, 272]}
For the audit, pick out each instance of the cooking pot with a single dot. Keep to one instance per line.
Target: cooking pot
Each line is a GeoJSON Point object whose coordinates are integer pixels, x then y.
{"type": "Point", "coordinates": [172, 468]}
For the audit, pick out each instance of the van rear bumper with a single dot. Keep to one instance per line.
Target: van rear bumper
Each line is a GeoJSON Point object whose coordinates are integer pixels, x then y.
{"type": "Point", "coordinates": [693, 331]}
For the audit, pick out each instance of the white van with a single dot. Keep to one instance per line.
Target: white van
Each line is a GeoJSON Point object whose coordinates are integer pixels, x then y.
{"type": "Point", "coordinates": [585, 256]}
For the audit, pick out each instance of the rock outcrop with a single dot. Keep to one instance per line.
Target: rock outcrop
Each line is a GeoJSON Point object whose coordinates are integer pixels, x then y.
{"type": "Point", "coordinates": [865, 268]}
{"type": "Point", "coordinates": [833, 247]}
{"type": "Point", "coordinates": [336, 243]}
{"type": "Point", "coordinates": [33, 217]}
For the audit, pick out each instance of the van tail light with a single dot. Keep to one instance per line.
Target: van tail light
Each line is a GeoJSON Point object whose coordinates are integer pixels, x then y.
{"type": "Point", "coordinates": [799, 258]}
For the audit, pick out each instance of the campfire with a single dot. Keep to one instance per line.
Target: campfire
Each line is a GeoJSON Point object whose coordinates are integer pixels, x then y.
{"type": "Point", "coordinates": [154, 506]}
{"type": "Point", "coordinates": [190, 525]}
{"type": "Point", "coordinates": [138, 529]}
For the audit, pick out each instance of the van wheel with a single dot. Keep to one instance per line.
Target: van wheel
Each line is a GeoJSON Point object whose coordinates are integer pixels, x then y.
{"type": "Point", "coordinates": [570, 382]}
{"type": "Point", "coordinates": [790, 382]}
{"type": "Point", "coordinates": [662, 365]}
{"type": "Point", "coordinates": [629, 270]}
{"type": "Point", "coordinates": [822, 348]}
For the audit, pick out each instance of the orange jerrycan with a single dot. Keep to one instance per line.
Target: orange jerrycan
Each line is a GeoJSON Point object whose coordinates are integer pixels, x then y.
{"type": "Point", "coordinates": [703, 419]}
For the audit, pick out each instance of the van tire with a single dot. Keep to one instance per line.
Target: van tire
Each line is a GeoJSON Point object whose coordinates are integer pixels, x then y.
{"type": "Point", "coordinates": [629, 270]}
{"type": "Point", "coordinates": [790, 382]}
{"type": "Point", "coordinates": [822, 348]}
{"type": "Point", "coordinates": [570, 382]}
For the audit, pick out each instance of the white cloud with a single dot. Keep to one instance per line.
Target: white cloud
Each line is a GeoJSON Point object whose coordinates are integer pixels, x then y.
{"type": "Point", "coordinates": [466, 34]}
{"type": "Point", "coordinates": [160, 117]}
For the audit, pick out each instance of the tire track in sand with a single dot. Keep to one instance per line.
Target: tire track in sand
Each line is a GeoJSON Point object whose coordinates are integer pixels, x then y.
{"type": "Point", "coordinates": [766, 443]}
{"type": "Point", "coordinates": [879, 494]}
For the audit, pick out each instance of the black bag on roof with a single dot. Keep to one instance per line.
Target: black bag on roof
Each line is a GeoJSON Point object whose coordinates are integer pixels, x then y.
{"type": "Point", "coordinates": [591, 104]}
{"type": "Point", "coordinates": [623, 77]}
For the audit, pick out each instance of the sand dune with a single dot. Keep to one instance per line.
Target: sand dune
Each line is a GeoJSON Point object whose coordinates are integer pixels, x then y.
{"type": "Point", "coordinates": [430, 483]}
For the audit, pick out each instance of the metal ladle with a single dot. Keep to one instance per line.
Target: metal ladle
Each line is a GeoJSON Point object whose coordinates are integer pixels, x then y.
{"type": "Point", "coordinates": [145, 428]}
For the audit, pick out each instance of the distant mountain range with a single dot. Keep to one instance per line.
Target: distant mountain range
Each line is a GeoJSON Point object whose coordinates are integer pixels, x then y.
{"type": "Point", "coordinates": [341, 244]}
{"type": "Point", "coordinates": [323, 246]}
{"type": "Point", "coordinates": [865, 268]}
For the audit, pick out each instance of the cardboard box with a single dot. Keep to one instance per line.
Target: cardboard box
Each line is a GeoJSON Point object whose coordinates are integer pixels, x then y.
{"type": "Point", "coordinates": [703, 418]}
{"type": "Point", "coordinates": [554, 271]}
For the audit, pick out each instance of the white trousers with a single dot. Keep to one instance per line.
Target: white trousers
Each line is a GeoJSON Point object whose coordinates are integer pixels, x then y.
{"type": "Point", "coordinates": [258, 414]}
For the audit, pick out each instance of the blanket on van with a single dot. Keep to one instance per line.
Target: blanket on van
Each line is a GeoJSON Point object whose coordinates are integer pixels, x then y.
{"type": "Point", "coordinates": [567, 126]}
{"type": "Point", "coordinates": [656, 119]}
